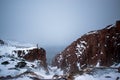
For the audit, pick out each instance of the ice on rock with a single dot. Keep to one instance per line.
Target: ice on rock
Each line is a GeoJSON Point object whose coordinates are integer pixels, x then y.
{"type": "Point", "coordinates": [118, 44]}
{"type": "Point", "coordinates": [78, 65]}
{"type": "Point", "coordinates": [101, 52]}
{"type": "Point", "coordinates": [98, 64]}
{"type": "Point", "coordinates": [60, 58]}
{"type": "Point", "coordinates": [92, 32]}
{"type": "Point", "coordinates": [107, 36]}
{"type": "Point", "coordinates": [80, 48]}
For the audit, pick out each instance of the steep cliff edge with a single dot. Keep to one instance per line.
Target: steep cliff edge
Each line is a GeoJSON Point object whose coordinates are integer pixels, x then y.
{"type": "Point", "coordinates": [31, 55]}
{"type": "Point", "coordinates": [96, 48]}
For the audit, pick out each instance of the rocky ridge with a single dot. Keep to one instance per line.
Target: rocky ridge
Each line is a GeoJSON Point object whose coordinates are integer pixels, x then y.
{"type": "Point", "coordinates": [96, 48]}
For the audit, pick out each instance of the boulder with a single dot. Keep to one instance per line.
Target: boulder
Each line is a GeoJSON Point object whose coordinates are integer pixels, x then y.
{"type": "Point", "coordinates": [5, 63]}
{"type": "Point", "coordinates": [2, 42]}
{"type": "Point", "coordinates": [21, 64]}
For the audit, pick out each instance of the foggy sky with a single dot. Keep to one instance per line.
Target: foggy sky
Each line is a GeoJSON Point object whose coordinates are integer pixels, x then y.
{"type": "Point", "coordinates": [54, 22]}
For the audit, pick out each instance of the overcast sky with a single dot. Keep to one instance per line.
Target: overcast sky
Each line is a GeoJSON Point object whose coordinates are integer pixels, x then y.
{"type": "Point", "coordinates": [54, 22]}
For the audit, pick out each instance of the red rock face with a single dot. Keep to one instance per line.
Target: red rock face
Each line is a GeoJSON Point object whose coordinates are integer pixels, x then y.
{"type": "Point", "coordinates": [36, 54]}
{"type": "Point", "coordinates": [101, 46]}
{"type": "Point", "coordinates": [33, 54]}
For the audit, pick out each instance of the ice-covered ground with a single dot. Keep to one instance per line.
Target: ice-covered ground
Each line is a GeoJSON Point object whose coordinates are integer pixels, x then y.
{"type": "Point", "coordinates": [101, 74]}
{"type": "Point", "coordinates": [6, 52]}
{"type": "Point", "coordinates": [9, 68]}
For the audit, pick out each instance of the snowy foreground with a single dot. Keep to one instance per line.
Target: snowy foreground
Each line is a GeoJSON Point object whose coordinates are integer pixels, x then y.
{"type": "Point", "coordinates": [8, 62]}
{"type": "Point", "coordinates": [105, 74]}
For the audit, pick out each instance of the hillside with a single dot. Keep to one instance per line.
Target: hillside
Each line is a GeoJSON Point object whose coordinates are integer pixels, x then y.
{"type": "Point", "coordinates": [99, 48]}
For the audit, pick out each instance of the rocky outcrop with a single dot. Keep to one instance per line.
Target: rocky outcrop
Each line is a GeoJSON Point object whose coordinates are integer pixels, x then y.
{"type": "Point", "coordinates": [96, 48]}
{"type": "Point", "coordinates": [32, 55]}
{"type": "Point", "coordinates": [2, 42]}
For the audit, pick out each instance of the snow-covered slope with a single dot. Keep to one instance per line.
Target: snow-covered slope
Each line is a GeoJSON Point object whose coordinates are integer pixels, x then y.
{"type": "Point", "coordinates": [9, 70]}
{"type": "Point", "coordinates": [15, 68]}
{"type": "Point", "coordinates": [100, 74]}
{"type": "Point", "coordinates": [18, 44]}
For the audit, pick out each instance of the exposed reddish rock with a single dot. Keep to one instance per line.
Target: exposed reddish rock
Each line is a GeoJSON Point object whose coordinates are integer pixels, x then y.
{"type": "Point", "coordinates": [118, 24]}
{"type": "Point", "coordinates": [96, 47]}
{"type": "Point", "coordinates": [32, 55]}
{"type": "Point", "coordinates": [36, 54]}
